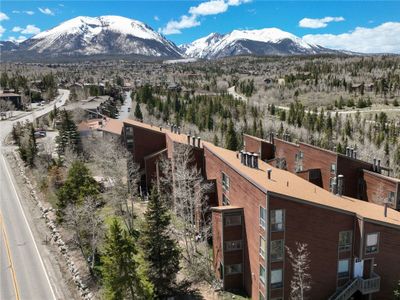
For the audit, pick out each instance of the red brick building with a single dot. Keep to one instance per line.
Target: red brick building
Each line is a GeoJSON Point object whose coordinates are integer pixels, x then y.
{"type": "Point", "coordinates": [354, 245]}
{"type": "Point", "coordinates": [361, 180]}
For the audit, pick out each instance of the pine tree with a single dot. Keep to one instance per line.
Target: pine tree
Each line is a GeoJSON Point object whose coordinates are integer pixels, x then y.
{"type": "Point", "coordinates": [78, 185]}
{"type": "Point", "coordinates": [138, 112]}
{"type": "Point", "coordinates": [68, 134]}
{"type": "Point", "coordinates": [161, 251]}
{"type": "Point", "coordinates": [122, 278]}
{"type": "Point", "coordinates": [231, 139]}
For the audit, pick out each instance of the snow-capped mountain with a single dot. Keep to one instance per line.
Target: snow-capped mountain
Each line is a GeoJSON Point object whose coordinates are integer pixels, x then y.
{"type": "Point", "coordinates": [105, 35]}
{"type": "Point", "coordinates": [267, 41]}
{"type": "Point", "coordinates": [202, 47]}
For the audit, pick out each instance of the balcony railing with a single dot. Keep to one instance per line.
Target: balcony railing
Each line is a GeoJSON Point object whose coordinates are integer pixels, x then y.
{"type": "Point", "coordinates": [365, 286]}
{"type": "Point", "coordinates": [370, 285]}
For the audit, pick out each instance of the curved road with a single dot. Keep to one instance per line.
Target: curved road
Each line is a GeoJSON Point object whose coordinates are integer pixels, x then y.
{"type": "Point", "coordinates": [23, 274]}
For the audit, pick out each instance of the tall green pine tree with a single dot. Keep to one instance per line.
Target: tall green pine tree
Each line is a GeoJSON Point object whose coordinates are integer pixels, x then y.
{"type": "Point", "coordinates": [231, 139]}
{"type": "Point", "coordinates": [161, 251]}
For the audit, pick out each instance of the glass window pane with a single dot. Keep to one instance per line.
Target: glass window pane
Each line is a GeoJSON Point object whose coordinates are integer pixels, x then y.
{"type": "Point", "coordinates": [262, 274]}
{"type": "Point", "coordinates": [372, 239]}
{"type": "Point", "coordinates": [276, 276]}
{"type": "Point", "coordinates": [262, 246]}
{"type": "Point", "coordinates": [277, 250]}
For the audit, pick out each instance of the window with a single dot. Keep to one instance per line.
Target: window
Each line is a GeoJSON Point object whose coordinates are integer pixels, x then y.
{"type": "Point", "coordinates": [262, 274]}
{"type": "Point", "coordinates": [262, 246]}
{"type": "Point", "coordinates": [276, 278]}
{"type": "Point", "coordinates": [225, 181]}
{"type": "Point", "coordinates": [391, 197]}
{"type": "Point", "coordinates": [225, 200]}
{"type": "Point", "coordinates": [233, 245]}
{"type": "Point", "coordinates": [262, 217]}
{"type": "Point", "coordinates": [277, 220]}
{"type": "Point", "coordinates": [343, 268]}
{"type": "Point", "coordinates": [233, 269]}
{"type": "Point", "coordinates": [233, 220]}
{"type": "Point", "coordinates": [345, 240]}
{"type": "Point", "coordinates": [333, 168]}
{"type": "Point", "coordinates": [277, 247]}
{"type": "Point", "coordinates": [372, 243]}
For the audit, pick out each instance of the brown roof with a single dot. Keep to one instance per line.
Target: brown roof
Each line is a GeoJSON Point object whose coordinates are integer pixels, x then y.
{"type": "Point", "coordinates": [113, 126]}
{"type": "Point", "coordinates": [288, 184]}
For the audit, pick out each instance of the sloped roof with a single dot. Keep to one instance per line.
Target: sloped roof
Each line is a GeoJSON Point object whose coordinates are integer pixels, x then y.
{"type": "Point", "coordinates": [285, 183]}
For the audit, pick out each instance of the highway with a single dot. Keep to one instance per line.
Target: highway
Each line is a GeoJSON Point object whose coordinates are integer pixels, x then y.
{"type": "Point", "coordinates": [23, 274]}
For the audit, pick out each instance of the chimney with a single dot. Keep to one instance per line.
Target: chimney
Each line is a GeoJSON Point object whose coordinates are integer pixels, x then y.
{"type": "Point", "coordinates": [249, 159]}
{"type": "Point", "coordinates": [188, 139]}
{"type": "Point", "coordinates": [255, 160]}
{"type": "Point", "coordinates": [241, 156]}
{"type": "Point", "coordinates": [198, 141]}
{"type": "Point", "coordinates": [355, 154]}
{"type": "Point", "coordinates": [172, 127]}
{"type": "Point", "coordinates": [379, 166]}
{"type": "Point", "coordinates": [193, 141]}
{"type": "Point", "coordinates": [385, 209]}
{"type": "Point", "coordinates": [347, 151]}
{"type": "Point", "coordinates": [244, 156]}
{"type": "Point", "coordinates": [351, 152]}
{"type": "Point", "coordinates": [374, 165]}
{"type": "Point", "coordinates": [160, 128]}
{"type": "Point", "coordinates": [269, 172]}
{"type": "Point", "coordinates": [334, 187]}
{"type": "Point", "coordinates": [179, 130]}
{"type": "Point", "coordinates": [340, 185]}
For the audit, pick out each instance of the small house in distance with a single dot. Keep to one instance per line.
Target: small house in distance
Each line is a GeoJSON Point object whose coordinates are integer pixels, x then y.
{"type": "Point", "coordinates": [13, 98]}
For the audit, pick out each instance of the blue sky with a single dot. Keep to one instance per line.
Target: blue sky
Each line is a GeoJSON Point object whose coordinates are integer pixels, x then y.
{"type": "Point", "coordinates": [338, 24]}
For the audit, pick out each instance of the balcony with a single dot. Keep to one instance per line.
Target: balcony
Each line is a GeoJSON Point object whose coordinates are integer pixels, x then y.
{"type": "Point", "coordinates": [370, 285]}
{"type": "Point", "coordinates": [365, 286]}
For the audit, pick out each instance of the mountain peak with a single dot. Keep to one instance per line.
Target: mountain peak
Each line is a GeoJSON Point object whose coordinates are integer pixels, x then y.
{"type": "Point", "coordinates": [265, 41]}
{"type": "Point", "coordinates": [109, 34]}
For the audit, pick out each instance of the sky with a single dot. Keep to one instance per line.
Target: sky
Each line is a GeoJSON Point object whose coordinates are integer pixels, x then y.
{"type": "Point", "coordinates": [362, 26]}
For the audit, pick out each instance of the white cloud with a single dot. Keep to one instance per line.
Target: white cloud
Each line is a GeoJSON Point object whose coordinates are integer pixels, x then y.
{"type": "Point", "coordinates": [28, 12]}
{"type": "Point", "coordinates": [3, 16]}
{"type": "Point", "coordinates": [212, 7]}
{"type": "Point", "coordinates": [156, 18]}
{"type": "Point", "coordinates": [46, 11]}
{"type": "Point", "coordinates": [174, 27]}
{"type": "Point", "coordinates": [2, 30]}
{"type": "Point", "coordinates": [384, 38]}
{"type": "Point", "coordinates": [29, 29]}
{"type": "Point", "coordinates": [318, 23]}
{"type": "Point", "coordinates": [20, 39]}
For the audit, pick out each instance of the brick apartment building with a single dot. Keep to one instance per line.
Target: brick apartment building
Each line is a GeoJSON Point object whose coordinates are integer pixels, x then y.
{"type": "Point", "coordinates": [361, 180]}
{"type": "Point", "coordinates": [260, 209]}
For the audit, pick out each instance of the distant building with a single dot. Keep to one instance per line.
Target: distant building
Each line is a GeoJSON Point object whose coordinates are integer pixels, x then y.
{"type": "Point", "coordinates": [13, 98]}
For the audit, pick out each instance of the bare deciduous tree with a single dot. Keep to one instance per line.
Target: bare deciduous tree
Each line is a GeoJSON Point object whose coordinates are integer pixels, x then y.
{"type": "Point", "coordinates": [301, 279]}
{"type": "Point", "coordinates": [184, 186]}
{"type": "Point", "coordinates": [88, 227]}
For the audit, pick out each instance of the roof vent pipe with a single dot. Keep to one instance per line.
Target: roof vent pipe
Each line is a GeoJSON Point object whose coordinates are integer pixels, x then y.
{"type": "Point", "coordinates": [347, 151]}
{"type": "Point", "coordinates": [351, 152]}
{"type": "Point", "coordinates": [255, 160]}
{"type": "Point", "coordinates": [385, 209]}
{"type": "Point", "coordinates": [188, 139]}
{"type": "Point", "coordinates": [179, 130]}
{"type": "Point", "coordinates": [340, 186]}
{"type": "Point", "coordinates": [198, 141]}
{"type": "Point", "coordinates": [374, 165]}
{"type": "Point", "coordinates": [193, 140]}
{"type": "Point", "coordinates": [355, 154]}
{"type": "Point", "coordinates": [269, 172]}
{"type": "Point", "coordinates": [172, 127]}
{"type": "Point", "coordinates": [379, 166]}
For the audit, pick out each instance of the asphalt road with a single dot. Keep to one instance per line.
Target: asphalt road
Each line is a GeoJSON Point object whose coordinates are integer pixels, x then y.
{"type": "Point", "coordinates": [124, 113]}
{"type": "Point", "coordinates": [23, 274]}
